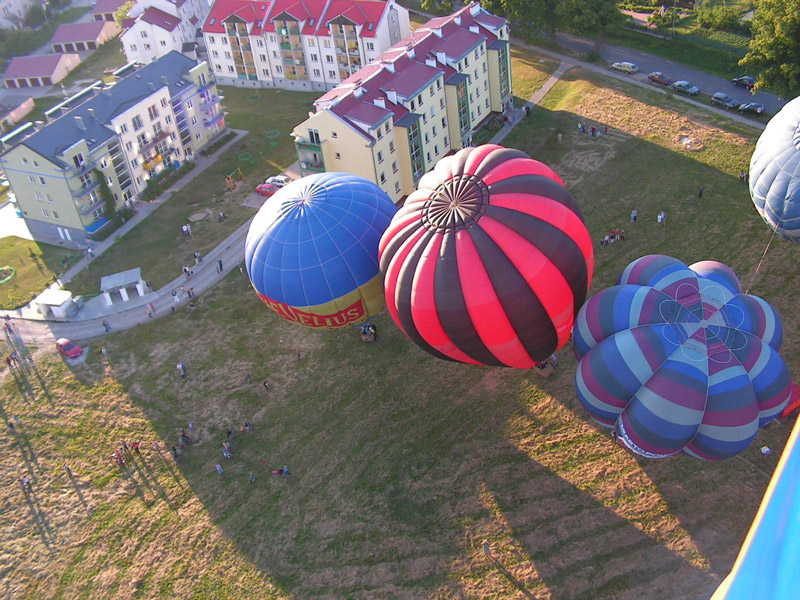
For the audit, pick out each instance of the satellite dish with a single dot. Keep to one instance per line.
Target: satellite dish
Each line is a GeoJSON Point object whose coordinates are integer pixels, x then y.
{"type": "Point", "coordinates": [311, 113]}
{"type": "Point", "coordinates": [303, 165]}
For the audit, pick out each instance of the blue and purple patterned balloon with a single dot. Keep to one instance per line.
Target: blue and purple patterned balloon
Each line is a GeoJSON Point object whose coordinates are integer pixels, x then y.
{"type": "Point", "coordinates": [678, 359]}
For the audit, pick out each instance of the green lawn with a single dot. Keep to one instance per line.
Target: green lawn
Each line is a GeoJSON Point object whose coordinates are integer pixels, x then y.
{"type": "Point", "coordinates": [402, 464]}
{"type": "Point", "coordinates": [36, 266]}
{"type": "Point", "coordinates": [108, 56]}
{"type": "Point", "coordinates": [157, 245]}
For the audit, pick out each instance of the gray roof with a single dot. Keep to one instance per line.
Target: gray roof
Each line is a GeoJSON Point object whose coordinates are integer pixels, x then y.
{"type": "Point", "coordinates": [109, 283]}
{"type": "Point", "coordinates": [56, 136]}
{"type": "Point", "coordinates": [497, 44]}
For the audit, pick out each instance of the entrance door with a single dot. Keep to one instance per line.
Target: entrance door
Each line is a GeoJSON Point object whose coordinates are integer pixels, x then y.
{"type": "Point", "coordinates": [61, 233]}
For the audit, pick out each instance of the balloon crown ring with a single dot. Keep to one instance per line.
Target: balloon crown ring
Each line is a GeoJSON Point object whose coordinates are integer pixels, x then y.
{"type": "Point", "coordinates": [458, 203]}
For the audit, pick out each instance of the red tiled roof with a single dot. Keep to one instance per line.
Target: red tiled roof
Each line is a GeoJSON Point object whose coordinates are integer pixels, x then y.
{"type": "Point", "coordinates": [159, 18]}
{"type": "Point", "coordinates": [456, 41]}
{"type": "Point", "coordinates": [365, 112]}
{"type": "Point", "coordinates": [41, 65]}
{"type": "Point", "coordinates": [250, 12]}
{"type": "Point", "coordinates": [78, 32]}
{"type": "Point", "coordinates": [126, 23]}
{"type": "Point", "coordinates": [372, 11]}
{"type": "Point", "coordinates": [492, 21]}
{"type": "Point", "coordinates": [107, 6]}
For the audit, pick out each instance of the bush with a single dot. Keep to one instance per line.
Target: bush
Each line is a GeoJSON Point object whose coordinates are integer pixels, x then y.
{"type": "Point", "coordinates": [213, 147]}
{"type": "Point", "coordinates": [157, 185]}
{"type": "Point", "coordinates": [34, 17]}
{"type": "Point", "coordinates": [718, 17]}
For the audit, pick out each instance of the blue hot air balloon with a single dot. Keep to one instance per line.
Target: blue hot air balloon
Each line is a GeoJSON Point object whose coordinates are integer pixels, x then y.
{"type": "Point", "coordinates": [312, 250]}
{"type": "Point", "coordinates": [678, 359]}
{"type": "Point", "coordinates": [775, 172]}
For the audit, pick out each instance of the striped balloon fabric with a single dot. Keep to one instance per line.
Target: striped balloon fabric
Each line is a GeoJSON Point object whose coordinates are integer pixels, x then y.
{"type": "Point", "coordinates": [678, 359]}
{"type": "Point", "coordinates": [775, 172]}
{"type": "Point", "coordinates": [489, 260]}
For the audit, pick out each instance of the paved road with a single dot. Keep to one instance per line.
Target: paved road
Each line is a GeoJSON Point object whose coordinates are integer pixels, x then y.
{"type": "Point", "coordinates": [648, 63]}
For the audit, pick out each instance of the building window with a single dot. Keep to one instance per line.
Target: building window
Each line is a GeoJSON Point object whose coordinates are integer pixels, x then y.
{"type": "Point", "coordinates": [431, 90]}
{"type": "Point", "coordinates": [147, 46]}
{"type": "Point", "coordinates": [429, 156]}
{"type": "Point", "coordinates": [379, 133]}
{"type": "Point", "coordinates": [109, 181]}
{"type": "Point", "coordinates": [334, 134]}
{"type": "Point", "coordinates": [141, 139]}
{"type": "Point", "coordinates": [441, 102]}
{"type": "Point", "coordinates": [143, 33]}
{"type": "Point", "coordinates": [31, 179]}
{"type": "Point", "coordinates": [487, 103]}
{"type": "Point", "coordinates": [444, 122]}
{"type": "Point", "coordinates": [383, 177]}
{"type": "Point", "coordinates": [123, 128]}
{"type": "Point", "coordinates": [260, 43]}
{"type": "Point", "coordinates": [332, 74]}
{"type": "Point", "coordinates": [477, 92]}
{"type": "Point", "coordinates": [218, 67]}
{"type": "Point", "coordinates": [394, 166]}
{"type": "Point", "coordinates": [211, 39]}
{"type": "Point", "coordinates": [230, 69]}
{"type": "Point", "coordinates": [214, 54]}
{"type": "Point", "coordinates": [380, 157]}
{"type": "Point", "coordinates": [391, 147]}
{"type": "Point", "coordinates": [396, 186]}
{"type": "Point", "coordinates": [133, 47]}
{"type": "Point", "coordinates": [265, 72]}
{"type": "Point", "coordinates": [194, 120]}
{"type": "Point", "coordinates": [42, 181]}
{"type": "Point", "coordinates": [445, 141]}
{"type": "Point", "coordinates": [427, 137]}
{"type": "Point", "coordinates": [38, 196]}
{"type": "Point", "coordinates": [436, 149]}
{"type": "Point", "coordinates": [168, 119]}
{"type": "Point", "coordinates": [326, 43]}
{"type": "Point", "coordinates": [134, 163]}
{"type": "Point", "coordinates": [274, 54]}
{"type": "Point", "coordinates": [370, 46]}
{"type": "Point", "coordinates": [197, 135]}
{"type": "Point", "coordinates": [55, 215]}
{"type": "Point", "coordinates": [337, 155]}
{"type": "Point", "coordinates": [227, 54]}
{"type": "Point", "coordinates": [433, 112]}
{"type": "Point", "coordinates": [279, 69]}
{"type": "Point", "coordinates": [262, 57]}
{"type": "Point", "coordinates": [139, 179]}
{"type": "Point", "coordinates": [172, 137]}
{"type": "Point", "coordinates": [272, 38]}
{"type": "Point", "coordinates": [103, 162]}
{"type": "Point", "coordinates": [438, 84]}
{"type": "Point", "coordinates": [136, 122]}
{"type": "Point", "coordinates": [99, 212]}
{"type": "Point", "coordinates": [35, 163]}
{"type": "Point", "coordinates": [316, 73]}
{"type": "Point", "coordinates": [48, 197]}
{"type": "Point", "coordinates": [45, 212]}
{"type": "Point", "coordinates": [386, 127]}
{"type": "Point", "coordinates": [476, 73]}
{"type": "Point", "coordinates": [189, 104]}
{"type": "Point", "coordinates": [163, 103]}
{"type": "Point", "coordinates": [129, 146]}
{"type": "Point", "coordinates": [486, 84]}
{"type": "Point", "coordinates": [312, 42]}
{"type": "Point", "coordinates": [328, 58]}
{"type": "Point", "coordinates": [413, 105]}
{"type": "Point", "coordinates": [314, 57]}
{"type": "Point", "coordinates": [484, 68]}
{"type": "Point", "coordinates": [434, 130]}
{"type": "Point", "coordinates": [163, 43]}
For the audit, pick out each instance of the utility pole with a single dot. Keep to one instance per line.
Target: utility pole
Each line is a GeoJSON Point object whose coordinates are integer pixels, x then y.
{"type": "Point", "coordinates": [673, 19]}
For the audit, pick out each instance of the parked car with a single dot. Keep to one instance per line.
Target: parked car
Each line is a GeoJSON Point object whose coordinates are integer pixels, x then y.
{"type": "Point", "coordinates": [659, 78]}
{"type": "Point", "coordinates": [722, 99]}
{"type": "Point", "coordinates": [752, 107]}
{"type": "Point", "coordinates": [625, 67]}
{"type": "Point", "coordinates": [745, 81]}
{"type": "Point", "coordinates": [267, 189]}
{"type": "Point", "coordinates": [278, 180]}
{"type": "Point", "coordinates": [68, 348]}
{"type": "Point", "coordinates": [685, 87]}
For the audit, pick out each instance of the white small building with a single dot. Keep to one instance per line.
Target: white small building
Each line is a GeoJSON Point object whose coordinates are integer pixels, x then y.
{"type": "Point", "coordinates": [57, 302]}
{"type": "Point", "coordinates": [157, 27]}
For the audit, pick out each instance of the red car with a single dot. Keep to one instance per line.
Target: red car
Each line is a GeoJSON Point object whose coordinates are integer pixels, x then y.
{"type": "Point", "coordinates": [267, 189]}
{"type": "Point", "coordinates": [659, 78]}
{"type": "Point", "coordinates": [68, 348]}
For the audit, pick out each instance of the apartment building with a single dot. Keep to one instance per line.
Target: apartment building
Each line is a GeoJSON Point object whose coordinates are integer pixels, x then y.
{"type": "Point", "coordinates": [152, 118]}
{"type": "Point", "coordinates": [156, 27]}
{"type": "Point", "coordinates": [12, 13]}
{"type": "Point", "coordinates": [395, 118]}
{"type": "Point", "coordinates": [309, 45]}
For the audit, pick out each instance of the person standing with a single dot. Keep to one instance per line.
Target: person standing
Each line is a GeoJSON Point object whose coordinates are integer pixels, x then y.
{"type": "Point", "coordinates": [634, 215]}
{"type": "Point", "coordinates": [148, 310]}
{"type": "Point", "coordinates": [663, 218]}
{"type": "Point", "coordinates": [700, 192]}
{"type": "Point", "coordinates": [660, 218]}
{"type": "Point", "coordinates": [560, 137]}
{"type": "Point", "coordinates": [219, 265]}
{"type": "Point", "coordinates": [104, 352]}
{"type": "Point", "coordinates": [106, 325]}
{"type": "Point", "coordinates": [252, 477]}
{"type": "Point", "coordinates": [175, 298]}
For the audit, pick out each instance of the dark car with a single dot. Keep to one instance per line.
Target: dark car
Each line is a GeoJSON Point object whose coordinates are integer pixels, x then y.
{"type": "Point", "coordinates": [722, 99]}
{"type": "Point", "coordinates": [659, 78]}
{"type": "Point", "coordinates": [68, 348]}
{"type": "Point", "coordinates": [745, 81]}
{"type": "Point", "coordinates": [752, 107]}
{"type": "Point", "coordinates": [685, 87]}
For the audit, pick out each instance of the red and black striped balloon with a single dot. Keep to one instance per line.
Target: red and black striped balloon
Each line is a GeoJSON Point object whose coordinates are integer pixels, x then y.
{"type": "Point", "coordinates": [489, 260]}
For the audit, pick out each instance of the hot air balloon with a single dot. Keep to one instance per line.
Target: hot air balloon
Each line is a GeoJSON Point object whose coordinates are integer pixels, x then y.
{"type": "Point", "coordinates": [489, 260]}
{"type": "Point", "coordinates": [775, 172]}
{"type": "Point", "coordinates": [312, 250]}
{"type": "Point", "coordinates": [678, 359]}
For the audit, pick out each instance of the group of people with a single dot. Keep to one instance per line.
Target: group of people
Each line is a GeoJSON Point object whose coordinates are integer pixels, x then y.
{"type": "Point", "coordinates": [612, 236]}
{"type": "Point", "coordinates": [369, 333]}
{"type": "Point", "coordinates": [12, 360]}
{"type": "Point", "coordinates": [592, 130]}
{"type": "Point", "coordinates": [124, 453]}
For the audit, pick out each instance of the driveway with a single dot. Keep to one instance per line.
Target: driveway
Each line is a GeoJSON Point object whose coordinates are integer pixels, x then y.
{"type": "Point", "coordinates": [648, 63]}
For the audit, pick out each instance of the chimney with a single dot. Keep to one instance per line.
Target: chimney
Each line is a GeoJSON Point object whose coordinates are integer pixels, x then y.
{"type": "Point", "coordinates": [441, 57]}
{"type": "Point", "coordinates": [79, 123]}
{"type": "Point", "coordinates": [437, 31]}
{"type": "Point", "coordinates": [165, 80]}
{"type": "Point", "coordinates": [475, 8]}
{"type": "Point", "coordinates": [151, 86]}
{"type": "Point", "coordinates": [379, 102]}
{"type": "Point", "coordinates": [431, 62]}
{"type": "Point", "coordinates": [411, 53]}
{"type": "Point", "coordinates": [37, 125]}
{"type": "Point", "coordinates": [474, 29]}
{"type": "Point", "coordinates": [107, 91]}
{"type": "Point", "coordinates": [64, 110]}
{"type": "Point", "coordinates": [359, 91]}
{"type": "Point", "coordinates": [392, 96]}
{"type": "Point", "coordinates": [91, 113]}
{"type": "Point", "coordinates": [457, 20]}
{"type": "Point", "coordinates": [389, 66]}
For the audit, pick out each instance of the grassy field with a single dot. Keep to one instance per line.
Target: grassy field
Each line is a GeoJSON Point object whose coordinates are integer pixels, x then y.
{"type": "Point", "coordinates": [36, 266]}
{"type": "Point", "coordinates": [157, 245]}
{"type": "Point", "coordinates": [402, 464]}
{"type": "Point", "coordinates": [107, 56]}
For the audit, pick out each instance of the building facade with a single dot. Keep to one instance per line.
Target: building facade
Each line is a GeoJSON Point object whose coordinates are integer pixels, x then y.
{"type": "Point", "coordinates": [157, 27]}
{"type": "Point", "coordinates": [310, 45]}
{"type": "Point", "coordinates": [12, 12]}
{"type": "Point", "coordinates": [395, 118]}
{"type": "Point", "coordinates": [153, 118]}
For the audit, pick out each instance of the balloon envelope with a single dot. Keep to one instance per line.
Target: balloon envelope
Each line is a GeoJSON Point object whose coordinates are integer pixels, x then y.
{"type": "Point", "coordinates": [312, 250]}
{"type": "Point", "coordinates": [488, 261]}
{"type": "Point", "coordinates": [775, 172]}
{"type": "Point", "coordinates": [678, 359]}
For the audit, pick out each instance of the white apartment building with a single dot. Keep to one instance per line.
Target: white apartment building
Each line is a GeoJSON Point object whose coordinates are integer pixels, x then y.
{"type": "Point", "coordinates": [12, 12]}
{"type": "Point", "coordinates": [157, 27]}
{"type": "Point", "coordinates": [309, 45]}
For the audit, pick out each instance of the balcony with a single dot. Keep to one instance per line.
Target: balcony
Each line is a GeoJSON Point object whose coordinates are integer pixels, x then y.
{"type": "Point", "coordinates": [310, 167]}
{"type": "Point", "coordinates": [286, 46]}
{"type": "Point", "coordinates": [86, 166]}
{"type": "Point", "coordinates": [209, 121]}
{"type": "Point", "coordinates": [161, 136]}
{"type": "Point", "coordinates": [306, 145]}
{"type": "Point", "coordinates": [85, 189]}
{"type": "Point", "coordinates": [209, 82]}
{"type": "Point", "coordinates": [84, 210]}
{"type": "Point", "coordinates": [288, 61]}
{"type": "Point", "coordinates": [208, 104]}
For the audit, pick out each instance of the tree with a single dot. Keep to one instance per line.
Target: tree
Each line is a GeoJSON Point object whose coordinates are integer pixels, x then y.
{"type": "Point", "coordinates": [109, 204]}
{"type": "Point", "coordinates": [530, 17]}
{"type": "Point", "coordinates": [774, 52]}
{"type": "Point", "coordinates": [599, 16]}
{"type": "Point", "coordinates": [437, 7]}
{"type": "Point", "coordinates": [122, 12]}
